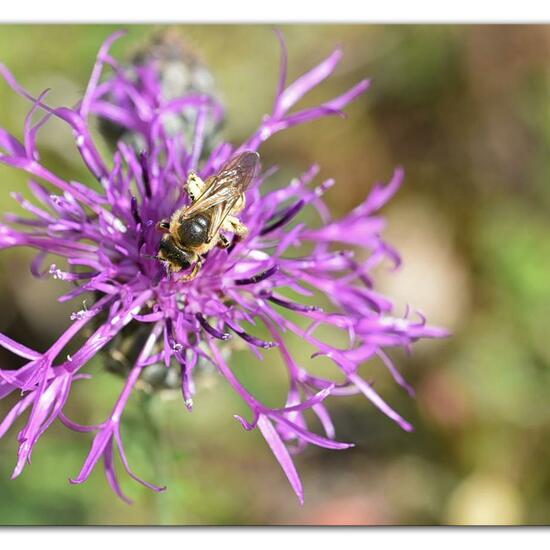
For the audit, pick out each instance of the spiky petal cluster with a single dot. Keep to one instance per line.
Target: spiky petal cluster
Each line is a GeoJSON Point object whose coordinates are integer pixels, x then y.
{"type": "Point", "coordinates": [107, 239]}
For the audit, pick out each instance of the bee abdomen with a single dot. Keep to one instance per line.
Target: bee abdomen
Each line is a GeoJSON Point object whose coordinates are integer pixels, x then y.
{"type": "Point", "coordinates": [194, 231]}
{"type": "Point", "coordinates": [178, 257]}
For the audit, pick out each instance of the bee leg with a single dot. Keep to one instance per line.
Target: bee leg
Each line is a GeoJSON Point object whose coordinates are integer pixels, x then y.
{"type": "Point", "coordinates": [195, 186]}
{"type": "Point", "coordinates": [194, 272]}
{"type": "Point", "coordinates": [237, 227]}
{"type": "Point", "coordinates": [163, 226]}
{"type": "Point", "coordinates": [224, 242]}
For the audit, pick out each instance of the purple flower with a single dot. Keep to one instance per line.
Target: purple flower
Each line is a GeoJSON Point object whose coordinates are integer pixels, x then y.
{"type": "Point", "coordinates": [107, 242]}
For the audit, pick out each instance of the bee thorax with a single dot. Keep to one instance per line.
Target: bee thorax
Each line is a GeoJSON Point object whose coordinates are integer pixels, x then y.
{"type": "Point", "coordinates": [193, 231]}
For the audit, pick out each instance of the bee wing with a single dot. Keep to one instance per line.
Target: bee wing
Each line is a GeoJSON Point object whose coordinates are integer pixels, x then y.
{"type": "Point", "coordinates": [241, 170]}
{"type": "Point", "coordinates": [229, 184]}
{"type": "Point", "coordinates": [220, 214]}
{"type": "Point", "coordinates": [205, 202]}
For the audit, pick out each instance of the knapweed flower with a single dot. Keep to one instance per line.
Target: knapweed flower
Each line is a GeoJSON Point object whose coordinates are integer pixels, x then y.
{"type": "Point", "coordinates": [105, 242]}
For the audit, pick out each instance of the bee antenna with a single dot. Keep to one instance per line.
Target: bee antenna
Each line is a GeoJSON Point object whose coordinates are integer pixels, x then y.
{"type": "Point", "coordinates": [149, 257]}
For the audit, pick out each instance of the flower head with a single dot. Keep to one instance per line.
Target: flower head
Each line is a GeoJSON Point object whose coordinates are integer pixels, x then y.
{"type": "Point", "coordinates": [275, 278]}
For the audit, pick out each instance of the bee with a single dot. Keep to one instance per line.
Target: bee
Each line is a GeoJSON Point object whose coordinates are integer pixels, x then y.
{"type": "Point", "coordinates": [197, 228]}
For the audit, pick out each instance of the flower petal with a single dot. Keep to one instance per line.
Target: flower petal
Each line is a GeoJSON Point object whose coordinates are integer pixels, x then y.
{"type": "Point", "coordinates": [282, 455]}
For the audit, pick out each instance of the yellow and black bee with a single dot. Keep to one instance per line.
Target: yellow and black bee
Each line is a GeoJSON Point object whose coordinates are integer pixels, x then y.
{"type": "Point", "coordinates": [195, 229]}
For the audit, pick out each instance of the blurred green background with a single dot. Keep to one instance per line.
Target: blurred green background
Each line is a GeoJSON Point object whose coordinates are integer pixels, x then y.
{"type": "Point", "coordinates": [466, 111]}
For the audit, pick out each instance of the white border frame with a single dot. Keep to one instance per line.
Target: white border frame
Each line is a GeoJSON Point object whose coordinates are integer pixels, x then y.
{"type": "Point", "coordinates": [276, 11]}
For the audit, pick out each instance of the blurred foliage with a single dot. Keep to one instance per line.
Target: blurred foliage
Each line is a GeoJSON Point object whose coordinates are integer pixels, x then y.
{"type": "Point", "coordinates": [466, 111]}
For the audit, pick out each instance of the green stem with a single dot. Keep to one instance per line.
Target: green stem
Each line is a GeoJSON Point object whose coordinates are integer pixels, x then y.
{"type": "Point", "coordinates": [151, 424]}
